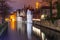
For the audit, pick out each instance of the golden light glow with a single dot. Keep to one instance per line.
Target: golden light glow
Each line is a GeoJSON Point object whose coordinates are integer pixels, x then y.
{"type": "Point", "coordinates": [12, 25]}
{"type": "Point", "coordinates": [42, 16]}
{"type": "Point", "coordinates": [6, 19]}
{"type": "Point", "coordinates": [36, 31]}
{"type": "Point", "coordinates": [37, 5]}
{"type": "Point", "coordinates": [13, 22]}
{"type": "Point", "coordinates": [36, 19]}
{"type": "Point", "coordinates": [12, 17]}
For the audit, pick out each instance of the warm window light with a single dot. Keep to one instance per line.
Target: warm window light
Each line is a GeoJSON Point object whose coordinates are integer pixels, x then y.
{"type": "Point", "coordinates": [12, 17]}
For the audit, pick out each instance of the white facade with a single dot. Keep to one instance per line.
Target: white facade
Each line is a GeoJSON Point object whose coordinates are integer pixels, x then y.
{"type": "Point", "coordinates": [29, 24]}
{"type": "Point", "coordinates": [19, 22]}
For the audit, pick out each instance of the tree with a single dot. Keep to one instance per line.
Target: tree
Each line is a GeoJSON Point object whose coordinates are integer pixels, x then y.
{"type": "Point", "coordinates": [4, 9]}
{"type": "Point", "coordinates": [52, 19]}
{"type": "Point", "coordinates": [58, 9]}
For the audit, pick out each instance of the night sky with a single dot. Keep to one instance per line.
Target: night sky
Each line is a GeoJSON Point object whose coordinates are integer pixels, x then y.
{"type": "Point", "coordinates": [18, 4]}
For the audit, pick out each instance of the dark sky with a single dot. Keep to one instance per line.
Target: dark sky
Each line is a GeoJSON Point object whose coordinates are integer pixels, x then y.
{"type": "Point", "coordinates": [18, 4]}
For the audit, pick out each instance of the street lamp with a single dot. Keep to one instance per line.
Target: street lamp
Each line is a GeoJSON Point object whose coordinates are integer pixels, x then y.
{"type": "Point", "coordinates": [42, 16]}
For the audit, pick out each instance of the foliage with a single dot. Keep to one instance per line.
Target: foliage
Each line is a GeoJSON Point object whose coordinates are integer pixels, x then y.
{"type": "Point", "coordinates": [4, 9]}
{"type": "Point", "coordinates": [58, 9]}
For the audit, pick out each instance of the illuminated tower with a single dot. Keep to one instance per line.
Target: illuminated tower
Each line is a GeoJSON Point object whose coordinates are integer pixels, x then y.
{"type": "Point", "coordinates": [37, 5]}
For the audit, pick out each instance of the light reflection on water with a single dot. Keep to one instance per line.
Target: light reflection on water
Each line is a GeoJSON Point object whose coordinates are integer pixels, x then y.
{"type": "Point", "coordinates": [20, 34]}
{"type": "Point", "coordinates": [13, 25]}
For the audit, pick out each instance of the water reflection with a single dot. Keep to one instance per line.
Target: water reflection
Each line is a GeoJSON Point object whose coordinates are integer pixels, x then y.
{"type": "Point", "coordinates": [23, 34]}
{"type": "Point", "coordinates": [19, 30]}
{"type": "Point", "coordinates": [13, 22]}
{"type": "Point", "coordinates": [19, 23]}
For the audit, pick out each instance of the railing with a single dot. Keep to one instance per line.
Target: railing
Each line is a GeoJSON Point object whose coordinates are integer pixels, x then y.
{"type": "Point", "coordinates": [3, 28]}
{"type": "Point", "coordinates": [48, 25]}
{"type": "Point", "coordinates": [50, 32]}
